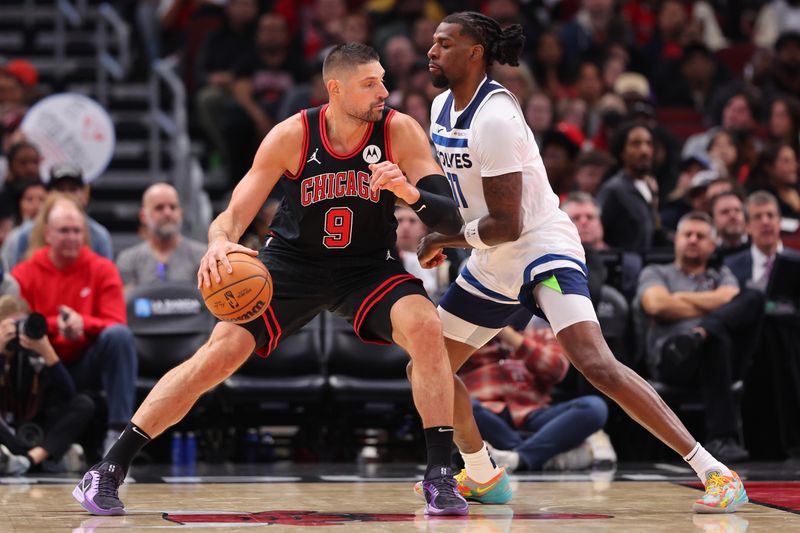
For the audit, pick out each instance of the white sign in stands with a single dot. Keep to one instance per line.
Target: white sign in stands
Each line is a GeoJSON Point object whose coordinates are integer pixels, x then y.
{"type": "Point", "coordinates": [71, 128]}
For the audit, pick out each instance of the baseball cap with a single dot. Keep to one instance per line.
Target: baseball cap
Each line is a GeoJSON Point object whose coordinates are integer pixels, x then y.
{"type": "Point", "coordinates": [23, 70]}
{"type": "Point", "coordinates": [632, 83]}
{"type": "Point", "coordinates": [703, 179]}
{"type": "Point", "coordinates": [61, 172]}
{"type": "Point", "coordinates": [567, 135]}
{"type": "Point", "coordinates": [700, 159]}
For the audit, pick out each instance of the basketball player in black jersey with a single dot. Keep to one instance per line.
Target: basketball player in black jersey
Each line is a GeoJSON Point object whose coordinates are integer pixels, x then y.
{"type": "Point", "coordinates": [344, 165]}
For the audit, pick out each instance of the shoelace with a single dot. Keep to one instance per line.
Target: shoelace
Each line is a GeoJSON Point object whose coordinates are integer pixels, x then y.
{"type": "Point", "coordinates": [107, 486]}
{"type": "Point", "coordinates": [447, 487]}
{"type": "Point", "coordinates": [716, 484]}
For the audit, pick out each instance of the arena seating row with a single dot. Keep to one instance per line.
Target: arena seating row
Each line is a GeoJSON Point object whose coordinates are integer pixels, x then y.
{"type": "Point", "coordinates": [323, 363]}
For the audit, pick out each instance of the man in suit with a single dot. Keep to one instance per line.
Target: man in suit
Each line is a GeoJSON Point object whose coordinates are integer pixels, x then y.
{"type": "Point", "coordinates": [629, 199]}
{"type": "Point", "coordinates": [753, 266]}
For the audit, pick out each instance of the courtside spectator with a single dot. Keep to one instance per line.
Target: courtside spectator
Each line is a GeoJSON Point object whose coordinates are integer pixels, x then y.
{"type": "Point", "coordinates": [80, 295]}
{"type": "Point", "coordinates": [164, 254]}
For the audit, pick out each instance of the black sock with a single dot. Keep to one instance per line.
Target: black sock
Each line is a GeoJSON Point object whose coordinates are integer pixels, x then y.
{"type": "Point", "coordinates": [439, 440]}
{"type": "Point", "coordinates": [132, 439]}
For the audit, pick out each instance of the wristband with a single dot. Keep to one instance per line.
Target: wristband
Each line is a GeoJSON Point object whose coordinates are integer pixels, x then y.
{"type": "Point", "coordinates": [472, 236]}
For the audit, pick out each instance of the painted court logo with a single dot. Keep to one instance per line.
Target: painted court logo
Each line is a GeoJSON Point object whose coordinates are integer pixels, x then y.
{"type": "Point", "coordinates": [314, 518]}
{"type": "Point", "coordinates": [371, 154]}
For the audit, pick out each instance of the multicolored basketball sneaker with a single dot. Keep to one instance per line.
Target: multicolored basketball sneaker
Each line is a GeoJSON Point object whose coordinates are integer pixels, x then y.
{"type": "Point", "coordinates": [98, 492]}
{"type": "Point", "coordinates": [724, 494]}
{"type": "Point", "coordinates": [441, 495]}
{"type": "Point", "coordinates": [495, 491]}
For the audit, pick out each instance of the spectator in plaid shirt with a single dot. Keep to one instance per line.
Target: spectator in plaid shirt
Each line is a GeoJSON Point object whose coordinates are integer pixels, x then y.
{"type": "Point", "coordinates": [511, 381]}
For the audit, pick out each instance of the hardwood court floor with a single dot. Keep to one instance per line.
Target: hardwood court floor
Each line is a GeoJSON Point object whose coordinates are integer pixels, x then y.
{"type": "Point", "coordinates": [564, 503]}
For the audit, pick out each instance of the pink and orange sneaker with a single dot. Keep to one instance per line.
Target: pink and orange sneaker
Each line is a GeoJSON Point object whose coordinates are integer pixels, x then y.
{"type": "Point", "coordinates": [724, 494]}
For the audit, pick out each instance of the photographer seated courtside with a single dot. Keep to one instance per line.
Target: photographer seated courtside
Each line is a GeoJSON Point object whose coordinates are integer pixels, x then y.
{"type": "Point", "coordinates": [42, 415]}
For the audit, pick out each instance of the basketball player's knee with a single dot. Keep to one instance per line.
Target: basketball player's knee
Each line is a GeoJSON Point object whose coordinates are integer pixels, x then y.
{"type": "Point", "coordinates": [424, 330]}
{"type": "Point", "coordinates": [603, 373]}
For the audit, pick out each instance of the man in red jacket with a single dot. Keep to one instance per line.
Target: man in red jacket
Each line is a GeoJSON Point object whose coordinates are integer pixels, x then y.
{"type": "Point", "coordinates": [80, 294]}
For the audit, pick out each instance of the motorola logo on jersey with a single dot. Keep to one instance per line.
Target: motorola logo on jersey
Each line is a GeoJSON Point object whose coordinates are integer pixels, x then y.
{"type": "Point", "coordinates": [337, 185]}
{"type": "Point", "coordinates": [455, 160]}
{"type": "Point", "coordinates": [371, 154]}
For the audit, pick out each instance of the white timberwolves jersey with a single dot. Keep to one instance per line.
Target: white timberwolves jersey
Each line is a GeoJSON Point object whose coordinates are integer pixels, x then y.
{"type": "Point", "coordinates": [490, 138]}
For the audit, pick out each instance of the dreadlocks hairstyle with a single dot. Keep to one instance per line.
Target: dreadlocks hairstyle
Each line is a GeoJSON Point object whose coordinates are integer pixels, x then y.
{"type": "Point", "coordinates": [503, 46]}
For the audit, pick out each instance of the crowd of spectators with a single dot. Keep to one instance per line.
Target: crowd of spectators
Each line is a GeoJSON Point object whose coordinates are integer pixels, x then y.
{"type": "Point", "coordinates": [670, 130]}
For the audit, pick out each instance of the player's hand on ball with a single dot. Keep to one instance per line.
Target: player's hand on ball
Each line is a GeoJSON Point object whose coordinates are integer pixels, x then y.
{"type": "Point", "coordinates": [388, 176]}
{"type": "Point", "coordinates": [216, 255]}
{"type": "Point", "coordinates": [429, 252]}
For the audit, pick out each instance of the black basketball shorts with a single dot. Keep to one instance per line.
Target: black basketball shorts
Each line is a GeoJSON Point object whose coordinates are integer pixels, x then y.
{"type": "Point", "coordinates": [361, 290]}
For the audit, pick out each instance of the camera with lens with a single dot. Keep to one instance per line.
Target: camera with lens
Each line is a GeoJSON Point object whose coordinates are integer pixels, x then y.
{"type": "Point", "coordinates": [34, 326]}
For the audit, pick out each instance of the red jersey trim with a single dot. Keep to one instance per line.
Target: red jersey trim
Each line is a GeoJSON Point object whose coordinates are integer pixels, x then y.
{"type": "Point", "coordinates": [274, 333]}
{"type": "Point", "coordinates": [304, 151]}
{"type": "Point", "coordinates": [387, 138]}
{"type": "Point", "coordinates": [326, 143]}
{"type": "Point", "coordinates": [375, 296]}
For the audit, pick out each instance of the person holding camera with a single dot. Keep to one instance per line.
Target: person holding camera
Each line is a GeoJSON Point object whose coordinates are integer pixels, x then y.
{"type": "Point", "coordinates": [81, 296]}
{"type": "Point", "coordinates": [41, 413]}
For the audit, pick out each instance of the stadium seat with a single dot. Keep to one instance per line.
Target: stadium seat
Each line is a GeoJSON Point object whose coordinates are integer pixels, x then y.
{"type": "Point", "coordinates": [169, 322]}
{"type": "Point", "coordinates": [360, 372]}
{"type": "Point", "coordinates": [292, 374]}
{"type": "Point", "coordinates": [736, 56]}
{"type": "Point", "coordinates": [614, 314]}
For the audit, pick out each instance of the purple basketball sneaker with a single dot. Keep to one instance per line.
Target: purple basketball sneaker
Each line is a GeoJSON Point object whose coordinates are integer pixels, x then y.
{"type": "Point", "coordinates": [97, 491]}
{"type": "Point", "coordinates": [442, 496]}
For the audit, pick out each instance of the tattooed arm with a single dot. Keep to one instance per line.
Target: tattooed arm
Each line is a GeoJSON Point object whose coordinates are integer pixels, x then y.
{"type": "Point", "coordinates": [503, 196]}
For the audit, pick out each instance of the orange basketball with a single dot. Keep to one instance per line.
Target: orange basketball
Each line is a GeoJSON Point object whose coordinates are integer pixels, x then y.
{"type": "Point", "coordinates": [242, 295]}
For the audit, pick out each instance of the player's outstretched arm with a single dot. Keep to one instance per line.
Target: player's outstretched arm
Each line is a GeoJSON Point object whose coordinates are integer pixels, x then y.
{"type": "Point", "coordinates": [415, 177]}
{"type": "Point", "coordinates": [277, 154]}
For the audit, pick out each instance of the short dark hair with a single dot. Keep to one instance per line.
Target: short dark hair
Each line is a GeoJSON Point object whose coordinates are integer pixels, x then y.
{"type": "Point", "coordinates": [786, 38]}
{"type": "Point", "coordinates": [348, 55]}
{"type": "Point", "coordinates": [696, 48]}
{"type": "Point", "coordinates": [18, 147]}
{"type": "Point", "coordinates": [724, 194]}
{"type": "Point", "coordinates": [503, 46]}
{"type": "Point", "coordinates": [599, 158]}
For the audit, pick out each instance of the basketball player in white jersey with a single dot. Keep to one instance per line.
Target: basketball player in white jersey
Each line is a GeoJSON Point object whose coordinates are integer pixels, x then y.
{"type": "Point", "coordinates": [526, 251]}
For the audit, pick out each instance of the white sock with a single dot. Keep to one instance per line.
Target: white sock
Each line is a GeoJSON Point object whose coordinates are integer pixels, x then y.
{"type": "Point", "coordinates": [480, 465]}
{"type": "Point", "coordinates": [703, 463]}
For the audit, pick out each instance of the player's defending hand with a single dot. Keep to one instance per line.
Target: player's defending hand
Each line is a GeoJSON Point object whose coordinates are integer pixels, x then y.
{"type": "Point", "coordinates": [217, 254]}
{"type": "Point", "coordinates": [429, 252]}
{"type": "Point", "coordinates": [387, 175]}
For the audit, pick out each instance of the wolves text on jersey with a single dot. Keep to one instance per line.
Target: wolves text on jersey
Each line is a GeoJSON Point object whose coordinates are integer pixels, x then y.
{"type": "Point", "coordinates": [337, 185]}
{"type": "Point", "coordinates": [451, 160]}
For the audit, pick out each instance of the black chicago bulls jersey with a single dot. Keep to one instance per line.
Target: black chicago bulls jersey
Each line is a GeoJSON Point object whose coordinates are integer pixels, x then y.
{"type": "Point", "coordinates": [328, 209]}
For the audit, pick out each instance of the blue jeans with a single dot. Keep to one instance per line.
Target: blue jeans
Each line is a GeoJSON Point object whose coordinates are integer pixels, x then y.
{"type": "Point", "coordinates": [110, 365]}
{"type": "Point", "coordinates": [555, 429]}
